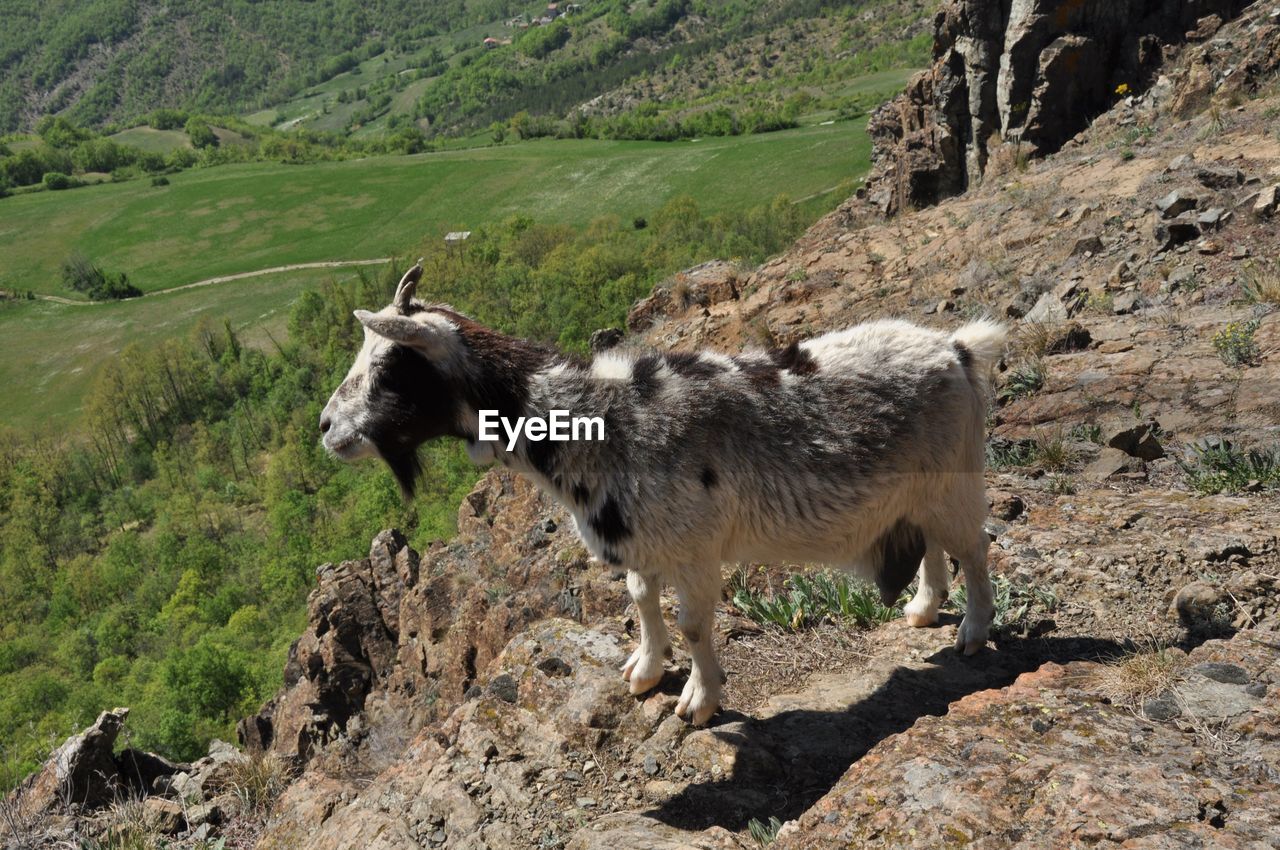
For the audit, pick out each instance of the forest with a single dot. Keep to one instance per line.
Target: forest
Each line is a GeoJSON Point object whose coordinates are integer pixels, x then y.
{"type": "Point", "coordinates": [160, 555]}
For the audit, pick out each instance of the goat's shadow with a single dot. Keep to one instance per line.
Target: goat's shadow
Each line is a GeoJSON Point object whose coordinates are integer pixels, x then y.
{"type": "Point", "coordinates": [791, 759]}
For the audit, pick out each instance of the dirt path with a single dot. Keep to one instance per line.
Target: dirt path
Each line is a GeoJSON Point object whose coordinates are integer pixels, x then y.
{"type": "Point", "coordinates": [327, 264]}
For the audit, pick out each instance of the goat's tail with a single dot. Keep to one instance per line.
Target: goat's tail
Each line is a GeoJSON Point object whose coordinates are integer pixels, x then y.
{"type": "Point", "coordinates": [981, 345]}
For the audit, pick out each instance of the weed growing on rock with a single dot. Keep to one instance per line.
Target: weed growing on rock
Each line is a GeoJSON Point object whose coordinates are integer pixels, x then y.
{"type": "Point", "coordinates": [1146, 672]}
{"type": "Point", "coordinates": [1052, 451]}
{"type": "Point", "coordinates": [1005, 454]}
{"type": "Point", "coordinates": [1023, 381]}
{"type": "Point", "coordinates": [1261, 283]}
{"type": "Point", "coordinates": [1220, 467]}
{"type": "Point", "coordinates": [1061, 485]}
{"type": "Point", "coordinates": [1014, 602]}
{"type": "Point", "coordinates": [1235, 343]}
{"type": "Point", "coordinates": [258, 781]}
{"type": "Point", "coordinates": [764, 834]}
{"type": "Point", "coordinates": [1086, 432]}
{"type": "Point", "coordinates": [809, 600]}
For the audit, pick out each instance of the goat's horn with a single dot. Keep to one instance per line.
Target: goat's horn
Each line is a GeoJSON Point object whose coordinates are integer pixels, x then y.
{"type": "Point", "coordinates": [408, 283]}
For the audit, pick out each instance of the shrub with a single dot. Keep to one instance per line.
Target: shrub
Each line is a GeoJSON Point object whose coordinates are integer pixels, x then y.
{"type": "Point", "coordinates": [160, 181]}
{"type": "Point", "coordinates": [764, 834]}
{"type": "Point", "coordinates": [202, 136]}
{"type": "Point", "coordinates": [82, 276]}
{"type": "Point", "coordinates": [56, 180]}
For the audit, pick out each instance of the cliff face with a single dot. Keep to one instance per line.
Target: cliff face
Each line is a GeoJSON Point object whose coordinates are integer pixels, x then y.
{"type": "Point", "coordinates": [1032, 73]}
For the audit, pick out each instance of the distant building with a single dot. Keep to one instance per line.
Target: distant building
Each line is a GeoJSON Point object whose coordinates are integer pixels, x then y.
{"type": "Point", "coordinates": [553, 10]}
{"type": "Point", "coordinates": [455, 238]}
{"type": "Point", "coordinates": [491, 42]}
{"type": "Point", "coordinates": [571, 8]}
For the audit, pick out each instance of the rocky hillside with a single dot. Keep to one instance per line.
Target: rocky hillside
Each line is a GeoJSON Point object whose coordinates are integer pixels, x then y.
{"type": "Point", "coordinates": [468, 696]}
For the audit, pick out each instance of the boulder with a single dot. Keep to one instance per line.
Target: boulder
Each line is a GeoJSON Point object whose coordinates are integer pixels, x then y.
{"type": "Point", "coordinates": [1036, 72]}
{"type": "Point", "coordinates": [1172, 233]}
{"type": "Point", "coordinates": [1219, 177]}
{"type": "Point", "coordinates": [81, 772]}
{"type": "Point", "coordinates": [1264, 205]}
{"type": "Point", "coordinates": [1176, 203]}
{"type": "Point", "coordinates": [1048, 310]}
{"type": "Point", "coordinates": [605, 339]}
{"type": "Point", "coordinates": [162, 816]}
{"type": "Point", "coordinates": [1110, 463]}
{"type": "Point", "coordinates": [1136, 441]}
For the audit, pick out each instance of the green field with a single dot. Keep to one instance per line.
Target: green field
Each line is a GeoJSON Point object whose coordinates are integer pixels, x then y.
{"type": "Point", "coordinates": [51, 350]}
{"type": "Point", "coordinates": [229, 219]}
{"type": "Point", "coordinates": [152, 140]}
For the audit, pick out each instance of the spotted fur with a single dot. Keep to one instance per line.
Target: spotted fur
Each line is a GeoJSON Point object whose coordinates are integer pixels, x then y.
{"type": "Point", "coordinates": [861, 448]}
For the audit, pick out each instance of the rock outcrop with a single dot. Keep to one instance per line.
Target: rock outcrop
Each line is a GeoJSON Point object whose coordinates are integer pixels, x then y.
{"type": "Point", "coordinates": [396, 641]}
{"type": "Point", "coordinates": [1029, 74]}
{"type": "Point", "coordinates": [492, 726]}
{"type": "Point", "coordinates": [1049, 762]}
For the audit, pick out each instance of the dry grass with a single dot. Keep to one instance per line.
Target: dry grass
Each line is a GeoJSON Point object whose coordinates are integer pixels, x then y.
{"type": "Point", "coordinates": [1031, 340]}
{"type": "Point", "coordinates": [772, 661]}
{"type": "Point", "coordinates": [1262, 283]}
{"type": "Point", "coordinates": [259, 781]}
{"type": "Point", "coordinates": [1146, 672]}
{"type": "Point", "coordinates": [1052, 451]}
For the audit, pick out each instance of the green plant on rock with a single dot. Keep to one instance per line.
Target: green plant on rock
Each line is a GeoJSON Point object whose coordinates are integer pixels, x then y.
{"type": "Point", "coordinates": [1014, 601]}
{"type": "Point", "coordinates": [764, 834]}
{"type": "Point", "coordinates": [1218, 466]}
{"type": "Point", "coordinates": [809, 600]}
{"type": "Point", "coordinates": [1235, 343]}
{"type": "Point", "coordinates": [1023, 381]}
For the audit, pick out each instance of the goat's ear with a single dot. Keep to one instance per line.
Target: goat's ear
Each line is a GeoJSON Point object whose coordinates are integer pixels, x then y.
{"type": "Point", "coordinates": [431, 339]}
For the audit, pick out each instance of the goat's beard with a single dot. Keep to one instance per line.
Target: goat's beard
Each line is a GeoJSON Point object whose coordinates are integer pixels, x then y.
{"type": "Point", "coordinates": [406, 466]}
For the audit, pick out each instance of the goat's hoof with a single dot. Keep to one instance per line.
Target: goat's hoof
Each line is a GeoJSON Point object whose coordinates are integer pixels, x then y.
{"type": "Point", "coordinates": [970, 639]}
{"type": "Point", "coordinates": [920, 616]}
{"type": "Point", "coordinates": [643, 671]}
{"type": "Point", "coordinates": [697, 703]}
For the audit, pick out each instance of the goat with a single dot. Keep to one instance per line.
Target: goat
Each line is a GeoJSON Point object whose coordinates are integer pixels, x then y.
{"type": "Point", "coordinates": [861, 448]}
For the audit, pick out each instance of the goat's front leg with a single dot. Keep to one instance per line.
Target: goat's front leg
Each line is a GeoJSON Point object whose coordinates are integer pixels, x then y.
{"type": "Point", "coordinates": [922, 610]}
{"type": "Point", "coordinates": [698, 590]}
{"type": "Point", "coordinates": [645, 667]}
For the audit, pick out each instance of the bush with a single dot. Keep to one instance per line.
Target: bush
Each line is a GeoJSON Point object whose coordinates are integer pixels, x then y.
{"type": "Point", "coordinates": [159, 181]}
{"type": "Point", "coordinates": [201, 135]}
{"type": "Point", "coordinates": [55, 180]}
{"type": "Point", "coordinates": [80, 275]}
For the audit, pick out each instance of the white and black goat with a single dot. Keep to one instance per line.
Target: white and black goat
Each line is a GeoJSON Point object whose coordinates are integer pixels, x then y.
{"type": "Point", "coordinates": [861, 448]}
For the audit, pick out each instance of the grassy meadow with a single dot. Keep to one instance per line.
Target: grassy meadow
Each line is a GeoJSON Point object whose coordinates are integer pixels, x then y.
{"type": "Point", "coordinates": [229, 219]}
{"type": "Point", "coordinates": [217, 221]}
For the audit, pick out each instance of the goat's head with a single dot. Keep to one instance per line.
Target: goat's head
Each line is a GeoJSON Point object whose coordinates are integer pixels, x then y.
{"type": "Point", "coordinates": [400, 392]}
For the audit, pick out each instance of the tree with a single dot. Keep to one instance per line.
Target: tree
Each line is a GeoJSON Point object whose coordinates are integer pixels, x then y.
{"type": "Point", "coordinates": [201, 135]}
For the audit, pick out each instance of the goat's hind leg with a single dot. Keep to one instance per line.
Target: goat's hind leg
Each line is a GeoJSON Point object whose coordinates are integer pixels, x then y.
{"type": "Point", "coordinates": [922, 610]}
{"type": "Point", "coordinates": [645, 667]}
{"type": "Point", "coordinates": [980, 606]}
{"type": "Point", "coordinates": [699, 589]}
